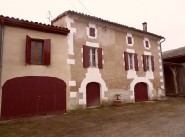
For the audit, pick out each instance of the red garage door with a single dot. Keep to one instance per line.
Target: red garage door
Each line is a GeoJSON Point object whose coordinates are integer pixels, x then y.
{"type": "Point", "coordinates": [93, 94]}
{"type": "Point", "coordinates": [141, 92]}
{"type": "Point", "coordinates": [32, 95]}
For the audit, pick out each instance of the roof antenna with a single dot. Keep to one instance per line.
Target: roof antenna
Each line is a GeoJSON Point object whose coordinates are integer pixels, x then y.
{"type": "Point", "coordinates": [50, 17]}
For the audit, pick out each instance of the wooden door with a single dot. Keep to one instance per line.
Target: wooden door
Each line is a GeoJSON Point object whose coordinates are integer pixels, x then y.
{"type": "Point", "coordinates": [93, 94]}
{"type": "Point", "coordinates": [141, 92]}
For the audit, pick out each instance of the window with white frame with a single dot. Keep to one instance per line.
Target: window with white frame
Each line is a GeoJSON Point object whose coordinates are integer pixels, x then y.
{"type": "Point", "coordinates": [131, 60]}
{"type": "Point", "coordinates": [129, 39]}
{"type": "Point", "coordinates": [93, 56]}
{"type": "Point", "coordinates": [148, 63]}
{"type": "Point", "coordinates": [146, 43]}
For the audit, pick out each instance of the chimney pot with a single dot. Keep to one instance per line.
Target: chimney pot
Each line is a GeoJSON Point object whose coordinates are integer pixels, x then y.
{"type": "Point", "coordinates": [144, 26]}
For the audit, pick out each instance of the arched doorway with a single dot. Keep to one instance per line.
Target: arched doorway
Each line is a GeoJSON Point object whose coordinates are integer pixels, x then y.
{"type": "Point", "coordinates": [93, 94]}
{"type": "Point", "coordinates": [141, 92]}
{"type": "Point", "coordinates": [32, 95]}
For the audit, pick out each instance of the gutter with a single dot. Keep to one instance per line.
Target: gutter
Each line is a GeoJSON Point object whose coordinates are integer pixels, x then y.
{"type": "Point", "coordinates": [163, 40]}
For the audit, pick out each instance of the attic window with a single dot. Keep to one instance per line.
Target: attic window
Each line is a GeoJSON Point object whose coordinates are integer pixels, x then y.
{"type": "Point", "coordinates": [146, 43]}
{"type": "Point", "coordinates": [129, 39]}
{"type": "Point", "coordinates": [92, 32]}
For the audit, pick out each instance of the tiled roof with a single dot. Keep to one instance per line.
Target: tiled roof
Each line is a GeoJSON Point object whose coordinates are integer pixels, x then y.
{"type": "Point", "coordinates": [106, 21]}
{"type": "Point", "coordinates": [16, 22]}
{"type": "Point", "coordinates": [179, 52]}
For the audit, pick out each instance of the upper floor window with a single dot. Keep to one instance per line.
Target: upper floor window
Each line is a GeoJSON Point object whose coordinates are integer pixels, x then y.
{"type": "Point", "coordinates": [92, 57]}
{"type": "Point", "coordinates": [131, 61]}
{"type": "Point", "coordinates": [146, 43]}
{"type": "Point", "coordinates": [38, 51]}
{"type": "Point", "coordinates": [92, 31]}
{"type": "Point", "coordinates": [129, 39]}
{"type": "Point", "coordinates": [148, 63]}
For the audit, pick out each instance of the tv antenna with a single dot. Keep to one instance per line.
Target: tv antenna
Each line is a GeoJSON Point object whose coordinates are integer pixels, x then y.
{"type": "Point", "coordinates": [50, 17]}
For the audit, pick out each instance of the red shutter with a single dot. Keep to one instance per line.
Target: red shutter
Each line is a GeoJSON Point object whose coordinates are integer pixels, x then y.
{"type": "Point", "coordinates": [47, 51]}
{"type": "Point", "coordinates": [152, 61]}
{"type": "Point", "coordinates": [92, 32]}
{"type": "Point", "coordinates": [126, 60]}
{"type": "Point", "coordinates": [144, 63]}
{"type": "Point", "coordinates": [129, 40]}
{"type": "Point", "coordinates": [28, 49]}
{"type": "Point", "coordinates": [100, 64]}
{"type": "Point", "coordinates": [85, 56]}
{"type": "Point", "coordinates": [136, 62]}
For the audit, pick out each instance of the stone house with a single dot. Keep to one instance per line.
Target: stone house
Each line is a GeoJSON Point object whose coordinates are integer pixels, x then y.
{"type": "Point", "coordinates": [108, 58]}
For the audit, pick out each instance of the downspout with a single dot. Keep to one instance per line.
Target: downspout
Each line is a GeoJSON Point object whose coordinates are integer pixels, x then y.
{"type": "Point", "coordinates": [162, 65]}
{"type": "Point", "coordinates": [1, 57]}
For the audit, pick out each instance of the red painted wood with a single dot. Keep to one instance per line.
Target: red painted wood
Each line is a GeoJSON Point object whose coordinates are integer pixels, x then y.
{"type": "Point", "coordinates": [93, 94]}
{"type": "Point", "coordinates": [141, 92]}
{"type": "Point", "coordinates": [47, 51]}
{"type": "Point", "coordinates": [32, 95]}
{"type": "Point", "coordinates": [126, 60]}
{"type": "Point", "coordinates": [144, 63]}
{"type": "Point", "coordinates": [86, 52]}
{"type": "Point", "coordinates": [152, 60]}
{"type": "Point", "coordinates": [100, 64]}
{"type": "Point", "coordinates": [136, 62]}
{"type": "Point", "coordinates": [28, 50]}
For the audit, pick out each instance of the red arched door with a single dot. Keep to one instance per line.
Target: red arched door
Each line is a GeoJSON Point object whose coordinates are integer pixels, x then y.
{"type": "Point", "coordinates": [141, 92]}
{"type": "Point", "coordinates": [93, 94]}
{"type": "Point", "coordinates": [32, 95]}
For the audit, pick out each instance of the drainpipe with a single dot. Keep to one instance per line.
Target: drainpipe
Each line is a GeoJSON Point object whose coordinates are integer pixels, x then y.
{"type": "Point", "coordinates": [162, 65]}
{"type": "Point", "coordinates": [1, 56]}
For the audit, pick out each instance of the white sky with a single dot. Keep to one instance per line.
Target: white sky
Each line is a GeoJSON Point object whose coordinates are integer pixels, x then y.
{"type": "Point", "coordinates": [164, 17]}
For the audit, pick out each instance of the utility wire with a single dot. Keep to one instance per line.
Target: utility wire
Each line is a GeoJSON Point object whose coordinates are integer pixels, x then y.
{"type": "Point", "coordinates": [72, 4]}
{"type": "Point", "coordinates": [84, 7]}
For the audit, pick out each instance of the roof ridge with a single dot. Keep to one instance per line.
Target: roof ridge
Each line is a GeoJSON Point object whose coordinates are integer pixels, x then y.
{"type": "Point", "coordinates": [107, 21]}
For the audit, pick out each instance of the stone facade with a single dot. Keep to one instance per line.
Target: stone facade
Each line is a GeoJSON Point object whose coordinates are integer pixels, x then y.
{"type": "Point", "coordinates": [113, 78]}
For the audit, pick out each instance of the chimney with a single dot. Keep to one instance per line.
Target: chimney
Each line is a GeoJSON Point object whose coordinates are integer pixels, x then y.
{"type": "Point", "coordinates": [145, 26]}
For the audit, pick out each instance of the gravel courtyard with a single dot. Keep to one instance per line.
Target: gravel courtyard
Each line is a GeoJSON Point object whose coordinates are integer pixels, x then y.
{"type": "Point", "coordinates": [148, 119]}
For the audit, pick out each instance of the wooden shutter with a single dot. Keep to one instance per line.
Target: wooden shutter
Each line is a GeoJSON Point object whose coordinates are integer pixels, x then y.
{"type": "Point", "coordinates": [100, 64]}
{"type": "Point", "coordinates": [47, 51]}
{"type": "Point", "coordinates": [126, 60]}
{"type": "Point", "coordinates": [86, 51]}
{"type": "Point", "coordinates": [92, 32]}
{"type": "Point", "coordinates": [144, 63]}
{"type": "Point", "coordinates": [136, 62]}
{"type": "Point", "coordinates": [152, 62]}
{"type": "Point", "coordinates": [129, 40]}
{"type": "Point", "coordinates": [28, 50]}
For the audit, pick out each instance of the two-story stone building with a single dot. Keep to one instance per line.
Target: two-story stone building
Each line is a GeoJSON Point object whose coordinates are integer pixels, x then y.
{"type": "Point", "coordinates": [107, 58]}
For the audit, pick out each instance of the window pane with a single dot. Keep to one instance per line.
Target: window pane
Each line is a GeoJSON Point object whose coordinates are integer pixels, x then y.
{"type": "Point", "coordinates": [32, 52]}
{"type": "Point", "coordinates": [40, 53]}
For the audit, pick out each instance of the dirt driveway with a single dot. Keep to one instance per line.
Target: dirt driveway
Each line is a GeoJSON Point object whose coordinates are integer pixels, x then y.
{"type": "Point", "coordinates": [154, 119]}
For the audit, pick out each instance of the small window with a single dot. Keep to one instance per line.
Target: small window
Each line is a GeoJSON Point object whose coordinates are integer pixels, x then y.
{"type": "Point", "coordinates": [148, 63]}
{"type": "Point", "coordinates": [129, 40]}
{"type": "Point", "coordinates": [131, 60]}
{"type": "Point", "coordinates": [92, 32]}
{"type": "Point", "coordinates": [93, 57]}
{"type": "Point", "coordinates": [38, 51]}
{"type": "Point", "coordinates": [146, 43]}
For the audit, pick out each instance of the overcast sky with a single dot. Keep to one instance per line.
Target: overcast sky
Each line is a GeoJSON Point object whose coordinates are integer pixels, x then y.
{"type": "Point", "coordinates": [164, 17]}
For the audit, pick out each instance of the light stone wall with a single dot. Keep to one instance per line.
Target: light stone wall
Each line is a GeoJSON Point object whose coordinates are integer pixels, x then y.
{"type": "Point", "coordinates": [112, 39]}
{"type": "Point", "coordinates": [14, 47]}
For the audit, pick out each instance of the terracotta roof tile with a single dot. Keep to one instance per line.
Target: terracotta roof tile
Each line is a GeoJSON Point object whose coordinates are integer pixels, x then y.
{"type": "Point", "coordinates": [107, 21]}
{"type": "Point", "coordinates": [16, 22]}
